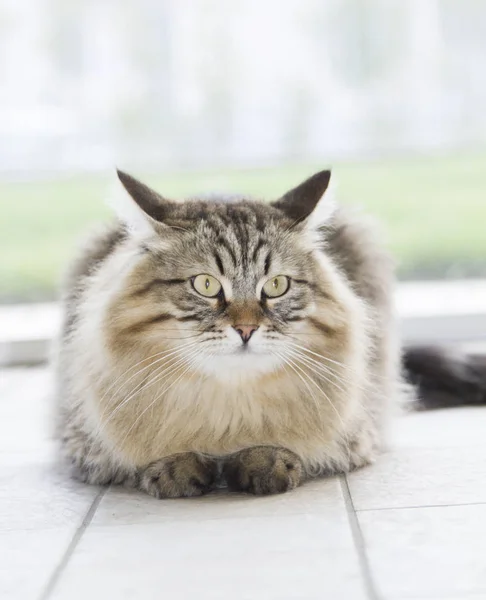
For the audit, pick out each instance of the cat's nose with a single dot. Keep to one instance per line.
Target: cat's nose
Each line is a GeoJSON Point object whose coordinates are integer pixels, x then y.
{"type": "Point", "coordinates": [245, 331]}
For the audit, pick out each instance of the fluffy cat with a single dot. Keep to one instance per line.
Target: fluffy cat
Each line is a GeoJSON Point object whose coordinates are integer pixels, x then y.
{"type": "Point", "coordinates": [226, 339]}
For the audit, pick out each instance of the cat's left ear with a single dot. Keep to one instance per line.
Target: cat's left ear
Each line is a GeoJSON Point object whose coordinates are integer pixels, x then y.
{"type": "Point", "coordinates": [306, 202]}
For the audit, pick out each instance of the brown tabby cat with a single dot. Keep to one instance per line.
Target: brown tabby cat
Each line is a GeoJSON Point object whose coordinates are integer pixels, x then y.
{"type": "Point", "coordinates": [226, 340]}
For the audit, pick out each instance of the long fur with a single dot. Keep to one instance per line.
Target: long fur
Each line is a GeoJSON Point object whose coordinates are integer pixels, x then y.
{"type": "Point", "coordinates": [148, 369]}
{"type": "Point", "coordinates": [445, 377]}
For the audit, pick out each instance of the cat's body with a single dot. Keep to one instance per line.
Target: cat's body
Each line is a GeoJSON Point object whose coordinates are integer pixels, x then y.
{"type": "Point", "coordinates": [165, 387]}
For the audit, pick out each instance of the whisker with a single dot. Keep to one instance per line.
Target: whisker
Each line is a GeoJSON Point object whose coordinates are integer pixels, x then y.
{"type": "Point", "coordinates": [341, 379]}
{"type": "Point", "coordinates": [321, 335]}
{"type": "Point", "coordinates": [334, 362]}
{"type": "Point", "coordinates": [178, 337]}
{"type": "Point", "coordinates": [326, 358]}
{"type": "Point", "coordinates": [322, 392]}
{"type": "Point", "coordinates": [323, 357]}
{"type": "Point", "coordinates": [199, 331]}
{"type": "Point", "coordinates": [191, 364]}
{"type": "Point", "coordinates": [170, 366]}
{"type": "Point", "coordinates": [162, 356]}
{"type": "Point", "coordinates": [331, 404]}
{"type": "Point", "coordinates": [287, 362]}
{"type": "Point", "coordinates": [162, 352]}
{"type": "Point", "coordinates": [167, 369]}
{"type": "Point", "coordinates": [331, 372]}
{"type": "Point", "coordinates": [324, 372]}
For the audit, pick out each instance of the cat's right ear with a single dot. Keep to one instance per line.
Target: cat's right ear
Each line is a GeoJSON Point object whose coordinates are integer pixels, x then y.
{"type": "Point", "coordinates": [142, 209]}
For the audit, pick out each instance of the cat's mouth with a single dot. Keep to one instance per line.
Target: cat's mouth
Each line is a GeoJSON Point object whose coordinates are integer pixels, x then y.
{"type": "Point", "coordinates": [247, 350]}
{"type": "Point", "coordinates": [243, 349]}
{"type": "Point", "coordinates": [241, 361]}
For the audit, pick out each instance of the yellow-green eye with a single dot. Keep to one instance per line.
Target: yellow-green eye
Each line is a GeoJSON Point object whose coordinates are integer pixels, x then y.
{"type": "Point", "coordinates": [206, 285]}
{"type": "Point", "coordinates": [277, 286]}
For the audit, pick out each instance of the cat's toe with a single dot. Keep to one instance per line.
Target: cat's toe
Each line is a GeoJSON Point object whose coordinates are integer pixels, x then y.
{"type": "Point", "coordinates": [263, 471]}
{"type": "Point", "coordinates": [182, 475]}
{"type": "Point", "coordinates": [273, 481]}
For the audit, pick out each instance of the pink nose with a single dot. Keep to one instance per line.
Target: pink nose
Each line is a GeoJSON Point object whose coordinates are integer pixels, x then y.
{"type": "Point", "coordinates": [245, 331]}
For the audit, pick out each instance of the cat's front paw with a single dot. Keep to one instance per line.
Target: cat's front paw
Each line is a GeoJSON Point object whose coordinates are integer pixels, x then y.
{"type": "Point", "coordinates": [263, 470]}
{"type": "Point", "coordinates": [181, 475]}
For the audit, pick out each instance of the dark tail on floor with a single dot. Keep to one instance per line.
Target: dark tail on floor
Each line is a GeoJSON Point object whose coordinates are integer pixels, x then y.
{"type": "Point", "coordinates": [445, 378]}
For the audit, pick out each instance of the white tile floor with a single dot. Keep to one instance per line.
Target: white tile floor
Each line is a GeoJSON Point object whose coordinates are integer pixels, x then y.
{"type": "Point", "coordinates": [412, 526]}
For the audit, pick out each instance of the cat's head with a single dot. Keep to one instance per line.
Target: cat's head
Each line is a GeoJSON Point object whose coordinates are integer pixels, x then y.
{"type": "Point", "coordinates": [230, 286]}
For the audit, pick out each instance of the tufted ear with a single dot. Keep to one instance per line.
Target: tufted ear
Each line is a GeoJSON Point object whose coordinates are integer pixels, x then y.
{"type": "Point", "coordinates": [302, 201]}
{"type": "Point", "coordinates": [137, 205]}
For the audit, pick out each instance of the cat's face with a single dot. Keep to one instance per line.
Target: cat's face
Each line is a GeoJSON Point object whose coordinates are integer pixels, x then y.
{"type": "Point", "coordinates": [230, 287]}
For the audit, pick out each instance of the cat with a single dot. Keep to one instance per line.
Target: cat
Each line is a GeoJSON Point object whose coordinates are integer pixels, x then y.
{"type": "Point", "coordinates": [227, 341]}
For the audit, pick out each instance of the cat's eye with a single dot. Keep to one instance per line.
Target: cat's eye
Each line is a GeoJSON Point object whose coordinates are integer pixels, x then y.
{"type": "Point", "coordinates": [206, 285]}
{"type": "Point", "coordinates": [276, 286]}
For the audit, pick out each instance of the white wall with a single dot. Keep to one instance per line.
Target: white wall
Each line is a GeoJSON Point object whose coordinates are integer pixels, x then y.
{"type": "Point", "coordinates": [160, 83]}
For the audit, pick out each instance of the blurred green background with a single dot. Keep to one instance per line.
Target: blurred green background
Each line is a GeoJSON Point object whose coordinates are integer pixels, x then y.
{"type": "Point", "coordinates": [242, 97]}
{"type": "Point", "coordinates": [433, 212]}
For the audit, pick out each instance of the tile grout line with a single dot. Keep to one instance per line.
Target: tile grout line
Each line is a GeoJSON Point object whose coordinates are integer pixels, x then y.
{"type": "Point", "coordinates": [51, 584]}
{"type": "Point", "coordinates": [418, 506]}
{"type": "Point", "coordinates": [358, 540]}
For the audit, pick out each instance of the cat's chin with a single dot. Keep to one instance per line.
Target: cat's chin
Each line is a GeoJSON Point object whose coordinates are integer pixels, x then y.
{"type": "Point", "coordinates": [242, 362]}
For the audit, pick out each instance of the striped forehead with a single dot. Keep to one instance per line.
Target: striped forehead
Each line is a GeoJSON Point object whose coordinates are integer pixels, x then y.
{"type": "Point", "coordinates": [240, 247]}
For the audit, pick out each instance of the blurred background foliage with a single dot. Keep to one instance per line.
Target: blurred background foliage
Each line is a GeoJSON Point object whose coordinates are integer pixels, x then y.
{"type": "Point", "coordinates": [244, 96]}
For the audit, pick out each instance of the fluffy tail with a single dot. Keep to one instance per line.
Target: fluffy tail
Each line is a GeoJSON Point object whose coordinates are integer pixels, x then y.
{"type": "Point", "coordinates": [445, 378]}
